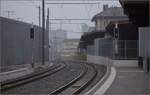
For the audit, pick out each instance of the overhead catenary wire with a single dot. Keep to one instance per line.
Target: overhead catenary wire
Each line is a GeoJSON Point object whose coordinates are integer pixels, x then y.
{"type": "Point", "coordinates": [60, 0]}
{"type": "Point", "coordinates": [72, 3]}
{"type": "Point", "coordinates": [71, 19]}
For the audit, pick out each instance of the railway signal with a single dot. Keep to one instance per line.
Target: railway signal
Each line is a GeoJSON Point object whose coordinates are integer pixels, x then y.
{"type": "Point", "coordinates": [32, 33]}
{"type": "Point", "coordinates": [116, 31]}
{"type": "Point", "coordinates": [116, 36]}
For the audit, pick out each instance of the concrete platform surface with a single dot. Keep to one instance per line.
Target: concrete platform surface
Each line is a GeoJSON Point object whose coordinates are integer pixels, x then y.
{"type": "Point", "coordinates": [130, 81]}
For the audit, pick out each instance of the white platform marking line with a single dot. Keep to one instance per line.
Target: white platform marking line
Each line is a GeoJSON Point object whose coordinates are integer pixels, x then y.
{"type": "Point", "coordinates": [107, 84]}
{"type": "Point", "coordinates": [138, 71]}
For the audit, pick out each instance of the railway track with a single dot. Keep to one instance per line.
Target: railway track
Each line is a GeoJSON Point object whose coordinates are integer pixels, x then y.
{"type": "Point", "coordinates": [77, 85]}
{"type": "Point", "coordinates": [45, 84]}
{"type": "Point", "coordinates": [8, 84]}
{"type": "Point", "coordinates": [63, 79]}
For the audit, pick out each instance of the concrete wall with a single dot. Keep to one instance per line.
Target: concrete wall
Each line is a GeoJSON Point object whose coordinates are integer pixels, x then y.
{"type": "Point", "coordinates": [125, 63]}
{"type": "Point", "coordinates": [17, 47]}
{"type": "Point", "coordinates": [107, 61]}
{"type": "Point", "coordinates": [0, 41]}
{"type": "Point", "coordinates": [99, 60]}
{"type": "Point", "coordinates": [144, 44]}
{"type": "Point", "coordinates": [144, 41]}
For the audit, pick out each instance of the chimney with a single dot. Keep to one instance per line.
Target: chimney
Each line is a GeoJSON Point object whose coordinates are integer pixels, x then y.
{"type": "Point", "coordinates": [105, 7]}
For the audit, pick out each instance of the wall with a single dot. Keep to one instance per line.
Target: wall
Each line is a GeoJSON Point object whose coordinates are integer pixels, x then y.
{"type": "Point", "coordinates": [104, 47]}
{"type": "Point", "coordinates": [99, 60]}
{"type": "Point", "coordinates": [144, 41]}
{"type": "Point", "coordinates": [17, 46]}
{"type": "Point", "coordinates": [107, 61]}
{"type": "Point", "coordinates": [91, 49]}
{"type": "Point", "coordinates": [0, 41]}
{"type": "Point", "coordinates": [144, 44]}
{"type": "Point", "coordinates": [102, 52]}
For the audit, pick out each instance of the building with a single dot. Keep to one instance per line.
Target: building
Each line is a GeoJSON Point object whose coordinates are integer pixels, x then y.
{"type": "Point", "coordinates": [127, 39]}
{"type": "Point", "coordinates": [91, 29]}
{"type": "Point", "coordinates": [89, 37]}
{"type": "Point", "coordinates": [70, 47]}
{"type": "Point", "coordinates": [101, 20]}
{"type": "Point", "coordinates": [0, 41]}
{"type": "Point", "coordinates": [16, 45]}
{"type": "Point", "coordinates": [57, 38]}
{"type": "Point", "coordinates": [138, 13]}
{"type": "Point", "coordinates": [85, 28]}
{"type": "Point", "coordinates": [102, 39]}
{"type": "Point", "coordinates": [126, 30]}
{"type": "Point", "coordinates": [108, 14]}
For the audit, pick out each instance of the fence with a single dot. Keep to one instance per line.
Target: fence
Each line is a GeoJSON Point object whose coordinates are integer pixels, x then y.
{"type": "Point", "coordinates": [126, 49]}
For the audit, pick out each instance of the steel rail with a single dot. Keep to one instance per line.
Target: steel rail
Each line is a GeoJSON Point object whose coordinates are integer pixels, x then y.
{"type": "Point", "coordinates": [59, 90]}
{"type": "Point", "coordinates": [29, 78]}
{"type": "Point", "coordinates": [77, 79]}
{"type": "Point", "coordinates": [79, 90]}
{"type": "Point", "coordinates": [26, 76]}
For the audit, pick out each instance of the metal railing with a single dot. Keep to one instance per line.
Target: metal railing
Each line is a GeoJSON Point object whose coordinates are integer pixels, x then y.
{"type": "Point", "coordinates": [126, 49]}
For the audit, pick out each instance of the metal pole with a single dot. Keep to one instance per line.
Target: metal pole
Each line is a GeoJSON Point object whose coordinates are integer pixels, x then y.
{"type": "Point", "coordinates": [51, 45]}
{"type": "Point", "coordinates": [43, 30]}
{"type": "Point", "coordinates": [47, 34]}
{"type": "Point", "coordinates": [0, 7]}
{"type": "Point", "coordinates": [125, 49]}
{"type": "Point", "coordinates": [39, 15]}
{"type": "Point", "coordinates": [8, 13]}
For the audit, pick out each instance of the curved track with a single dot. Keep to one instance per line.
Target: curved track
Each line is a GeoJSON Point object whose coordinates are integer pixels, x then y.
{"type": "Point", "coordinates": [66, 79]}
{"type": "Point", "coordinates": [8, 84]}
{"type": "Point", "coordinates": [46, 82]}
{"type": "Point", "coordinates": [77, 85]}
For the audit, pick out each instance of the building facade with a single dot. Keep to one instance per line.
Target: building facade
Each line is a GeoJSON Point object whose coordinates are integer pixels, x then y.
{"type": "Point", "coordinates": [70, 47]}
{"type": "Point", "coordinates": [0, 41]}
{"type": "Point", "coordinates": [108, 14]}
{"type": "Point", "coordinates": [138, 13]}
{"type": "Point", "coordinates": [17, 47]}
{"type": "Point", "coordinates": [57, 38]}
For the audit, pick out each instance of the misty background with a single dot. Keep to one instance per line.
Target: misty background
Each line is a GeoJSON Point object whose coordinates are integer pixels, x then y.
{"type": "Point", "coordinates": [27, 11]}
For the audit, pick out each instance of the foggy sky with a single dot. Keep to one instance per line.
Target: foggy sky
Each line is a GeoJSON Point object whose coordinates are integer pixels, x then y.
{"type": "Point", "coordinates": [27, 11]}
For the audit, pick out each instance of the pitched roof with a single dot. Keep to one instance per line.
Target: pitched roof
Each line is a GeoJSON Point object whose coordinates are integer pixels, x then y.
{"type": "Point", "coordinates": [112, 12]}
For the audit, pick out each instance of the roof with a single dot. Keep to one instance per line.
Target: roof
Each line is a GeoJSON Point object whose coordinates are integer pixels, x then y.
{"type": "Point", "coordinates": [138, 11]}
{"type": "Point", "coordinates": [17, 21]}
{"type": "Point", "coordinates": [91, 29]}
{"type": "Point", "coordinates": [133, 1]}
{"type": "Point", "coordinates": [88, 38]}
{"type": "Point", "coordinates": [112, 12]}
{"type": "Point", "coordinates": [72, 40]}
{"type": "Point", "coordinates": [120, 22]}
{"type": "Point", "coordinates": [112, 24]}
